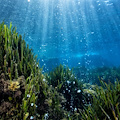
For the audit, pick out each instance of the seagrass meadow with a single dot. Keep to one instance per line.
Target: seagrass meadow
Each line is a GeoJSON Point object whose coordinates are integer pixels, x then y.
{"type": "Point", "coordinates": [28, 94]}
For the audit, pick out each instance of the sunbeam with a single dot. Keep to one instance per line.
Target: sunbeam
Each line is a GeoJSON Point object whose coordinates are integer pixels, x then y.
{"type": "Point", "coordinates": [60, 29]}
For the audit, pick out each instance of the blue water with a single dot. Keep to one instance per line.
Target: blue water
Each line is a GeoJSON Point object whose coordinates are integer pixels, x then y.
{"type": "Point", "coordinates": [71, 32]}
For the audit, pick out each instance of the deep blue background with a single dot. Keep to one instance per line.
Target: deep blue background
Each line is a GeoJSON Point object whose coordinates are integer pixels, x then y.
{"type": "Point", "coordinates": [71, 32]}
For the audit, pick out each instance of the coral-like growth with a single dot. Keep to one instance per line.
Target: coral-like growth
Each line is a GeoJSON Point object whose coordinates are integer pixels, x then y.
{"type": "Point", "coordinates": [11, 97]}
{"type": "Point", "coordinates": [13, 85]}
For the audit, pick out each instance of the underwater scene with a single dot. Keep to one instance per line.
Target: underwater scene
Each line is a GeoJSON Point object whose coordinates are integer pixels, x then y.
{"type": "Point", "coordinates": [59, 60]}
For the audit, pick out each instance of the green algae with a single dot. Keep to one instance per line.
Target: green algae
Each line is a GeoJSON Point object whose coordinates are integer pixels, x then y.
{"type": "Point", "coordinates": [15, 60]}
{"type": "Point", "coordinates": [63, 79]}
{"type": "Point", "coordinates": [105, 104]}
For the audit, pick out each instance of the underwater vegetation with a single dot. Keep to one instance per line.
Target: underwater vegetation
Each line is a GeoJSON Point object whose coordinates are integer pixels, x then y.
{"type": "Point", "coordinates": [105, 104]}
{"type": "Point", "coordinates": [108, 74]}
{"type": "Point", "coordinates": [26, 93]}
{"type": "Point", "coordinates": [20, 76]}
{"type": "Point", "coordinates": [64, 81]}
